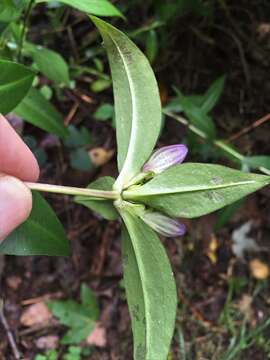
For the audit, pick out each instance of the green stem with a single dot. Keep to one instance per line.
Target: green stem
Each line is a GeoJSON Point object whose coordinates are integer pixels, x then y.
{"type": "Point", "coordinates": [90, 71]}
{"type": "Point", "coordinates": [25, 23]}
{"type": "Point", "coordinates": [68, 190]}
{"type": "Point", "coordinates": [218, 143]}
{"type": "Point", "coordinates": [138, 179]}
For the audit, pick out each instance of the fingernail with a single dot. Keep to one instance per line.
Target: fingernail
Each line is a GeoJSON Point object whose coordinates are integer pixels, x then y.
{"type": "Point", "coordinates": [15, 204]}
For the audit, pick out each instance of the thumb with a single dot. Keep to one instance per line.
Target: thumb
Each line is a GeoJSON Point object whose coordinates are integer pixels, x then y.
{"type": "Point", "coordinates": [15, 204]}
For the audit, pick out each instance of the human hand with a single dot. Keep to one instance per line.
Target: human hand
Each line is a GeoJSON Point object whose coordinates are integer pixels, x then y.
{"type": "Point", "coordinates": [17, 164]}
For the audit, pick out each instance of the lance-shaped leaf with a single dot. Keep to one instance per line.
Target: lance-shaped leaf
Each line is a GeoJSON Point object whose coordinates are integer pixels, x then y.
{"type": "Point", "coordinates": [49, 63]}
{"type": "Point", "coordinates": [104, 207]}
{"type": "Point", "coordinates": [197, 116]}
{"type": "Point", "coordinates": [150, 289]}
{"type": "Point", "coordinates": [41, 234]}
{"type": "Point", "coordinates": [212, 95]}
{"type": "Point", "coordinates": [255, 162]}
{"type": "Point", "coordinates": [191, 190]}
{"type": "Point", "coordinates": [137, 102]}
{"type": "Point", "coordinates": [15, 82]}
{"type": "Point", "coordinates": [37, 110]}
{"type": "Point", "coordinates": [95, 7]}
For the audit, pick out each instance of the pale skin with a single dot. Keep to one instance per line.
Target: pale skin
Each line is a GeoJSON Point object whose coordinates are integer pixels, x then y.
{"type": "Point", "coordinates": [17, 165]}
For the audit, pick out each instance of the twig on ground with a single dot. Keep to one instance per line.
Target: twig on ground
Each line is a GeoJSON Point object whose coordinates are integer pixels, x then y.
{"type": "Point", "coordinates": [227, 149]}
{"type": "Point", "coordinates": [247, 129]}
{"type": "Point", "coordinates": [10, 336]}
{"type": "Point", "coordinates": [241, 51]}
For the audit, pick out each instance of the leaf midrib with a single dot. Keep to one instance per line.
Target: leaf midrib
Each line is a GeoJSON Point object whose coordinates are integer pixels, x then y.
{"type": "Point", "coordinates": [141, 274]}
{"type": "Point", "coordinates": [184, 189]}
{"type": "Point", "coordinates": [133, 112]}
{"type": "Point", "coordinates": [16, 82]}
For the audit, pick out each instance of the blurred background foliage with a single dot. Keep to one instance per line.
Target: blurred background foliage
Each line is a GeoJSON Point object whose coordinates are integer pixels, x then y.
{"type": "Point", "coordinates": [211, 59]}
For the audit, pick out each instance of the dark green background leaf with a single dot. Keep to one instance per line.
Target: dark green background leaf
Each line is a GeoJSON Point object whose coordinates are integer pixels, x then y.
{"type": "Point", "coordinates": [80, 160]}
{"type": "Point", "coordinates": [197, 116]}
{"type": "Point", "coordinates": [95, 7]}
{"type": "Point", "coordinates": [49, 63]}
{"type": "Point", "coordinates": [80, 318]}
{"type": "Point", "coordinates": [36, 110]}
{"type": "Point", "coordinates": [10, 10]}
{"type": "Point", "coordinates": [212, 96]}
{"type": "Point", "coordinates": [254, 162]}
{"type": "Point", "coordinates": [224, 215]}
{"type": "Point", "coordinates": [15, 82]}
{"type": "Point", "coordinates": [41, 234]}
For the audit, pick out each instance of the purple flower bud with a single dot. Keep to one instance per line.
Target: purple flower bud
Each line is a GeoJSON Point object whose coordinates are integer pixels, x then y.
{"type": "Point", "coordinates": [163, 224]}
{"type": "Point", "coordinates": [165, 157]}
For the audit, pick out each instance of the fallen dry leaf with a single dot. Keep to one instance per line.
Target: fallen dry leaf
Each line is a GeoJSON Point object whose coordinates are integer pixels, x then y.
{"type": "Point", "coordinates": [97, 336]}
{"type": "Point", "coordinates": [245, 303]}
{"type": "Point", "coordinates": [242, 242]}
{"type": "Point", "coordinates": [47, 342]}
{"type": "Point", "coordinates": [258, 269]}
{"type": "Point", "coordinates": [263, 29]}
{"type": "Point", "coordinates": [35, 314]}
{"type": "Point", "coordinates": [13, 282]}
{"type": "Point", "coordinates": [212, 249]}
{"type": "Point", "coordinates": [100, 156]}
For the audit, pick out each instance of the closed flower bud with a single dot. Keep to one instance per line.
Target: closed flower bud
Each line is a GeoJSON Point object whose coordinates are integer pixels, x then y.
{"type": "Point", "coordinates": [163, 224]}
{"type": "Point", "coordinates": [165, 157]}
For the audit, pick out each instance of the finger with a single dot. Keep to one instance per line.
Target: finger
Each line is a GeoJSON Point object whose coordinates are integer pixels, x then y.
{"type": "Point", "coordinates": [15, 204]}
{"type": "Point", "coordinates": [16, 159]}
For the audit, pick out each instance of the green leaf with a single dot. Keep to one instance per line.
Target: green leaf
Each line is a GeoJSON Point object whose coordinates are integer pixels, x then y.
{"type": "Point", "coordinates": [137, 101]}
{"type": "Point", "coordinates": [78, 137]}
{"type": "Point", "coordinates": [150, 289]}
{"type": "Point", "coordinates": [254, 162]}
{"type": "Point", "coordinates": [225, 214]}
{"type": "Point", "coordinates": [49, 63]}
{"type": "Point", "coordinates": [10, 10]}
{"type": "Point", "coordinates": [80, 318]}
{"type": "Point", "coordinates": [15, 82]}
{"type": "Point", "coordinates": [3, 27]}
{"type": "Point", "coordinates": [88, 300]}
{"type": "Point", "coordinates": [191, 190]}
{"type": "Point", "coordinates": [49, 355]}
{"type": "Point", "coordinates": [41, 234]}
{"type": "Point", "coordinates": [101, 85]}
{"type": "Point", "coordinates": [80, 160]}
{"type": "Point", "coordinates": [197, 116]}
{"type": "Point", "coordinates": [213, 94]}
{"type": "Point", "coordinates": [104, 207]}
{"type": "Point", "coordinates": [95, 7]}
{"type": "Point", "coordinates": [38, 111]}
{"type": "Point", "coordinates": [151, 45]}
{"type": "Point", "coordinates": [104, 112]}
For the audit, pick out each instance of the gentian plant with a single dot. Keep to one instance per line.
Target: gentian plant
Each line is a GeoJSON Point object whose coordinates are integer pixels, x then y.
{"type": "Point", "coordinates": [153, 190]}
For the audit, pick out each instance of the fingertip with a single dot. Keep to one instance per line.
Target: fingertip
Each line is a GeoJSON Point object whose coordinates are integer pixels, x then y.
{"type": "Point", "coordinates": [16, 158]}
{"type": "Point", "coordinates": [15, 204]}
